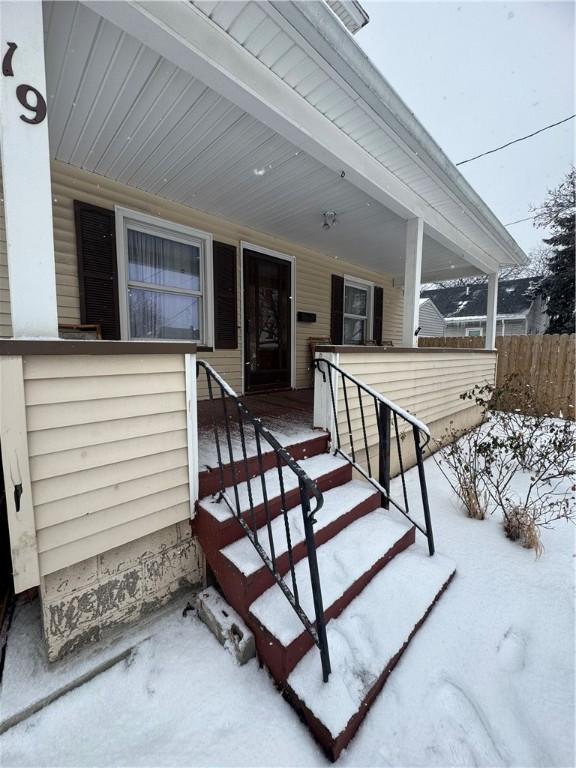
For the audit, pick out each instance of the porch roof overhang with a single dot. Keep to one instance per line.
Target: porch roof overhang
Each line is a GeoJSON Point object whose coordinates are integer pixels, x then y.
{"type": "Point", "coordinates": [172, 98]}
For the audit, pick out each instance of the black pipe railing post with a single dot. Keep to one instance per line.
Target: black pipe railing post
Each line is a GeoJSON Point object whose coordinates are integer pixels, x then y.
{"type": "Point", "coordinates": [315, 583]}
{"type": "Point", "coordinates": [424, 491]}
{"type": "Point", "coordinates": [384, 454]}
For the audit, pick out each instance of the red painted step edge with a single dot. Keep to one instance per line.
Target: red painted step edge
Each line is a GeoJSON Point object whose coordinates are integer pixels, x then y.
{"type": "Point", "coordinates": [281, 659]}
{"type": "Point", "coordinates": [216, 534]}
{"type": "Point", "coordinates": [209, 479]}
{"type": "Point", "coordinates": [334, 746]}
{"type": "Point", "coordinates": [241, 590]}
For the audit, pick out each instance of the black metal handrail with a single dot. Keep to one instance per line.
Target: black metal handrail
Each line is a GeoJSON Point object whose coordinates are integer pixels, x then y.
{"type": "Point", "coordinates": [231, 405]}
{"type": "Point", "coordinates": [385, 411]}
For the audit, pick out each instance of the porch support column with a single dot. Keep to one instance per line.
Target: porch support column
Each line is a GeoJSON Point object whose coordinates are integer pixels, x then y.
{"type": "Point", "coordinates": [26, 171]}
{"type": "Point", "coordinates": [412, 277]}
{"type": "Point", "coordinates": [492, 311]}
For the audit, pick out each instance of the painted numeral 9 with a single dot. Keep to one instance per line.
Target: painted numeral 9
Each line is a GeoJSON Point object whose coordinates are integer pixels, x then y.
{"type": "Point", "coordinates": [38, 108]}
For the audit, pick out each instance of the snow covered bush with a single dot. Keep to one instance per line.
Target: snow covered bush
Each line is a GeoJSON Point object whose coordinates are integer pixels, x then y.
{"type": "Point", "coordinates": [521, 465]}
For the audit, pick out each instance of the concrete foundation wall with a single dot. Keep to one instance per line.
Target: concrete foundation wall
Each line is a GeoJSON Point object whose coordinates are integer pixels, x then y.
{"type": "Point", "coordinates": [83, 602]}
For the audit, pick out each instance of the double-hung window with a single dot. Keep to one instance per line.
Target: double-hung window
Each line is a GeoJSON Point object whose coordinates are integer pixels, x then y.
{"type": "Point", "coordinates": [165, 272]}
{"type": "Point", "coordinates": [357, 312]}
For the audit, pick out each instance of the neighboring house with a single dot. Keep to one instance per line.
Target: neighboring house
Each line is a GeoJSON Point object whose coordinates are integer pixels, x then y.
{"type": "Point", "coordinates": [520, 312]}
{"type": "Point", "coordinates": [219, 184]}
{"type": "Point", "coordinates": [430, 319]}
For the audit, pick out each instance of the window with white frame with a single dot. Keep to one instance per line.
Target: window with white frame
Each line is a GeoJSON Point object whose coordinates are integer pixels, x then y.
{"type": "Point", "coordinates": [473, 331]}
{"type": "Point", "coordinates": [164, 278]}
{"type": "Point", "coordinates": [357, 311]}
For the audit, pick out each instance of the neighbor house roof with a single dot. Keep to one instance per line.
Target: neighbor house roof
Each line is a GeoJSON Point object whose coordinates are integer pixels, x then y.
{"type": "Point", "coordinates": [515, 297]}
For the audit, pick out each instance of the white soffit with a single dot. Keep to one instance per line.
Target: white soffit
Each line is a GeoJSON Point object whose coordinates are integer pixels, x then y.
{"type": "Point", "coordinates": [120, 110]}
{"type": "Point", "coordinates": [267, 31]}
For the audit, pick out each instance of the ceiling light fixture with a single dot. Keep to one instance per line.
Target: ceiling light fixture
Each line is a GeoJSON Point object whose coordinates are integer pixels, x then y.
{"type": "Point", "coordinates": [329, 219]}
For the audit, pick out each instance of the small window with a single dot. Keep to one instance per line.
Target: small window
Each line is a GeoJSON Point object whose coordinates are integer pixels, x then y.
{"type": "Point", "coordinates": [473, 331]}
{"type": "Point", "coordinates": [357, 312]}
{"type": "Point", "coordinates": [165, 281]}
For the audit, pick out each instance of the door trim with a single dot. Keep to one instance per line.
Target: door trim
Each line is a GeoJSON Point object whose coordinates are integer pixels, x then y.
{"type": "Point", "coordinates": [244, 245]}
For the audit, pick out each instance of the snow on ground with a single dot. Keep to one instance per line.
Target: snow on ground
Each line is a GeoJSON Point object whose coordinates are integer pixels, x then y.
{"type": "Point", "coordinates": [487, 681]}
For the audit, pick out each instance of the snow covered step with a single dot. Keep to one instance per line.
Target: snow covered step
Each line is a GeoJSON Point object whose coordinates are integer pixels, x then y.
{"type": "Point", "coordinates": [315, 467]}
{"type": "Point", "coordinates": [366, 642]}
{"type": "Point", "coordinates": [242, 574]}
{"type": "Point", "coordinates": [312, 443]}
{"type": "Point", "coordinates": [338, 502]}
{"type": "Point", "coordinates": [347, 562]}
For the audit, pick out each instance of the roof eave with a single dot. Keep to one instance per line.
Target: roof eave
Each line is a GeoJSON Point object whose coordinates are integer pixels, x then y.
{"type": "Point", "coordinates": [316, 23]}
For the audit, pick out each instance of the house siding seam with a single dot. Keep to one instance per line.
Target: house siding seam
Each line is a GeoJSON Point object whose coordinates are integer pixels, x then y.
{"type": "Point", "coordinates": [313, 270]}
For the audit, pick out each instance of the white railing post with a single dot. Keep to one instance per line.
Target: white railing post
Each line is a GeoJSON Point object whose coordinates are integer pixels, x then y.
{"type": "Point", "coordinates": [192, 429]}
{"type": "Point", "coordinates": [412, 278]}
{"type": "Point", "coordinates": [492, 311]}
{"type": "Point", "coordinates": [323, 411]}
{"type": "Point", "coordinates": [26, 171]}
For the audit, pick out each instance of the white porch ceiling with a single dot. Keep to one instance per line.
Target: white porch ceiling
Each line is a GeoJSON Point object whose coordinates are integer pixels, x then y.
{"type": "Point", "coordinates": [118, 109]}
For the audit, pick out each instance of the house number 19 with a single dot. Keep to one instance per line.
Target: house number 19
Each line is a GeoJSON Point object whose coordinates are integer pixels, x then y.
{"type": "Point", "coordinates": [23, 92]}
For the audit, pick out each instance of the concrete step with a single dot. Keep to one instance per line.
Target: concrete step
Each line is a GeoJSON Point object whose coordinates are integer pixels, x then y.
{"type": "Point", "coordinates": [243, 576]}
{"type": "Point", "coordinates": [209, 478]}
{"type": "Point", "coordinates": [366, 642]}
{"type": "Point", "coordinates": [217, 527]}
{"type": "Point", "coordinates": [347, 563]}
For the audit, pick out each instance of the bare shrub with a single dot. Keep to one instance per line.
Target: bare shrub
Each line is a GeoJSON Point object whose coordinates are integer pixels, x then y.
{"type": "Point", "coordinates": [481, 465]}
{"type": "Point", "coordinates": [461, 463]}
{"type": "Point", "coordinates": [519, 525]}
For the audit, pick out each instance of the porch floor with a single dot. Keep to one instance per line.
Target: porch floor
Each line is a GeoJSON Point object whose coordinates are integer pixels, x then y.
{"type": "Point", "coordinates": [288, 415]}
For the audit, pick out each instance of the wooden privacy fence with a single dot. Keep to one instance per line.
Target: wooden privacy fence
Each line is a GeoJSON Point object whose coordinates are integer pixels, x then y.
{"type": "Point", "coordinates": [544, 362]}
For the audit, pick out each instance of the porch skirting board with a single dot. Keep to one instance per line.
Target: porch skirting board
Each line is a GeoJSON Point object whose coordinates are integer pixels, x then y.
{"type": "Point", "coordinates": [82, 602]}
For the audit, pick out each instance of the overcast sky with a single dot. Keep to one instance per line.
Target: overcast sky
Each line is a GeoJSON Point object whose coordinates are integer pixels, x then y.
{"type": "Point", "coordinates": [479, 74]}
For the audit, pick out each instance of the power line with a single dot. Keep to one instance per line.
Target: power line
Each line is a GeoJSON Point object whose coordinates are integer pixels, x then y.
{"type": "Point", "coordinates": [531, 218]}
{"type": "Point", "coordinates": [528, 218]}
{"type": "Point", "coordinates": [515, 141]}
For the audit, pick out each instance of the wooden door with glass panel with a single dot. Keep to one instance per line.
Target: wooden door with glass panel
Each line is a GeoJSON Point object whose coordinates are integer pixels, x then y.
{"type": "Point", "coordinates": [267, 322]}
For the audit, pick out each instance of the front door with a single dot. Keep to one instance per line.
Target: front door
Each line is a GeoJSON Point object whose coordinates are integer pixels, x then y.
{"type": "Point", "coordinates": [267, 322]}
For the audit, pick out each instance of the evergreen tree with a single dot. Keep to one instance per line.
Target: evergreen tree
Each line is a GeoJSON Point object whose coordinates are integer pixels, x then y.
{"type": "Point", "coordinates": [557, 213]}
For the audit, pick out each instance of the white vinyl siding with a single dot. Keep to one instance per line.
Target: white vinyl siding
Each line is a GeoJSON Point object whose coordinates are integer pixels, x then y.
{"type": "Point", "coordinates": [107, 440]}
{"type": "Point", "coordinates": [430, 320]}
{"type": "Point", "coordinates": [427, 384]}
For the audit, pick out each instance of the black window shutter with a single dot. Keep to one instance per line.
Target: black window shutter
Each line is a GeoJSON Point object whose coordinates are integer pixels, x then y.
{"type": "Point", "coordinates": [97, 267]}
{"type": "Point", "coordinates": [378, 314]}
{"type": "Point", "coordinates": [225, 297]}
{"type": "Point", "coordinates": [337, 312]}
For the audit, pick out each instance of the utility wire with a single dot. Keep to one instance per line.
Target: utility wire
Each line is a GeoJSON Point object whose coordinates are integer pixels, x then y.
{"type": "Point", "coordinates": [515, 141]}
{"type": "Point", "coordinates": [530, 218]}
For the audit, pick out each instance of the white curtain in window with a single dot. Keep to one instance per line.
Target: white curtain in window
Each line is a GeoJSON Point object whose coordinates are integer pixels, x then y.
{"type": "Point", "coordinates": [159, 261]}
{"type": "Point", "coordinates": [163, 264]}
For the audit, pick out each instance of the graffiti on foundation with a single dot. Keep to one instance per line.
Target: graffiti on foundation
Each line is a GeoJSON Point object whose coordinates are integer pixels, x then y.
{"type": "Point", "coordinates": [107, 599]}
{"type": "Point", "coordinates": [170, 564]}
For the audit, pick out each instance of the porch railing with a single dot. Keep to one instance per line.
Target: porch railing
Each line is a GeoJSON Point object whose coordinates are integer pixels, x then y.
{"type": "Point", "coordinates": [223, 398]}
{"type": "Point", "coordinates": [372, 408]}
